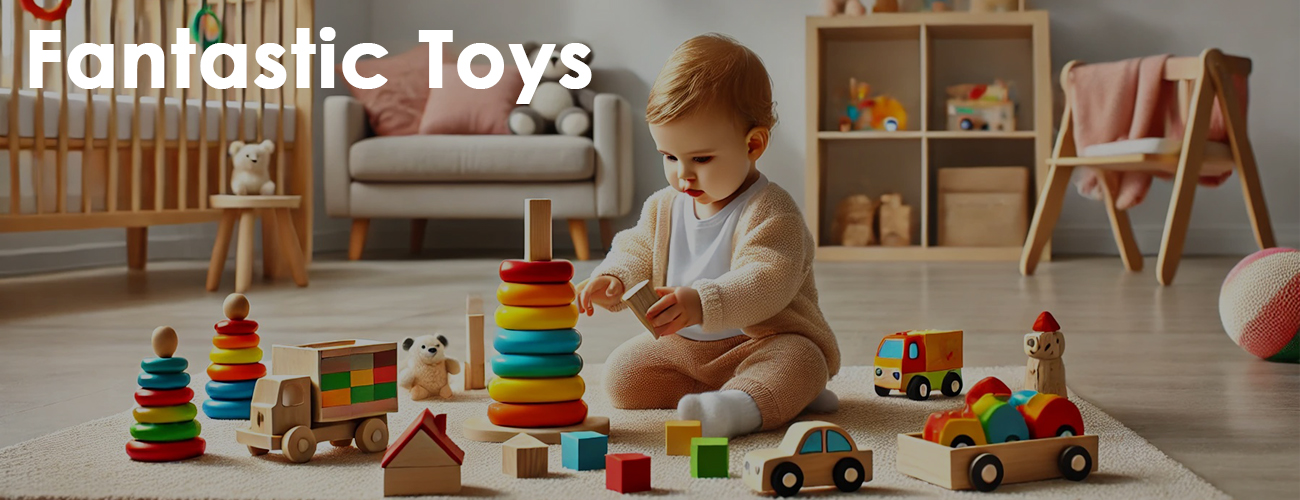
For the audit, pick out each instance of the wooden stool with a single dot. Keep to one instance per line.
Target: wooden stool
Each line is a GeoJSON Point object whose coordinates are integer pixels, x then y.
{"type": "Point", "coordinates": [275, 221]}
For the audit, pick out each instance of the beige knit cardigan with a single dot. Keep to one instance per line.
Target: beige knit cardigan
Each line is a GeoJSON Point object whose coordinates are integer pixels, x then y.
{"type": "Point", "coordinates": [770, 287]}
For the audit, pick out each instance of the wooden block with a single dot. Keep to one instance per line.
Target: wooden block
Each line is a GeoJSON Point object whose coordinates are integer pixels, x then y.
{"type": "Point", "coordinates": [639, 298]}
{"type": "Point", "coordinates": [983, 206]}
{"type": "Point", "coordinates": [584, 450]}
{"type": "Point", "coordinates": [524, 456]}
{"type": "Point", "coordinates": [678, 435]}
{"type": "Point", "coordinates": [401, 481]}
{"type": "Point", "coordinates": [537, 229]}
{"type": "Point", "coordinates": [854, 224]}
{"type": "Point", "coordinates": [627, 472]}
{"type": "Point", "coordinates": [710, 457]}
{"type": "Point", "coordinates": [474, 374]}
{"type": "Point", "coordinates": [895, 221]}
{"type": "Point", "coordinates": [984, 180]}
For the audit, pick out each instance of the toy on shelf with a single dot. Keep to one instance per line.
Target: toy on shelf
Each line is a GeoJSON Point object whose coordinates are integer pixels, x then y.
{"type": "Point", "coordinates": [165, 429]}
{"type": "Point", "coordinates": [475, 375]}
{"type": "Point", "coordinates": [537, 390]}
{"type": "Point", "coordinates": [983, 206]}
{"type": "Point", "coordinates": [812, 454]}
{"type": "Point", "coordinates": [994, 5]}
{"type": "Point", "coordinates": [1045, 371]}
{"type": "Point", "coordinates": [524, 456]}
{"type": "Point", "coordinates": [236, 362]}
{"type": "Point", "coordinates": [427, 372]}
{"type": "Point", "coordinates": [205, 28]}
{"type": "Point", "coordinates": [678, 435]}
{"type": "Point", "coordinates": [584, 450]}
{"type": "Point", "coordinates": [854, 224]}
{"type": "Point", "coordinates": [710, 457]}
{"type": "Point", "coordinates": [884, 6]}
{"type": "Point", "coordinates": [1000, 437]}
{"type": "Point", "coordinates": [627, 472]}
{"type": "Point", "coordinates": [845, 7]}
{"type": "Point", "coordinates": [981, 107]}
{"type": "Point", "coordinates": [1259, 304]}
{"type": "Point", "coordinates": [895, 221]}
{"type": "Point", "coordinates": [871, 113]}
{"type": "Point", "coordinates": [638, 299]}
{"type": "Point", "coordinates": [331, 391]}
{"type": "Point", "coordinates": [917, 360]}
{"type": "Point", "coordinates": [423, 460]}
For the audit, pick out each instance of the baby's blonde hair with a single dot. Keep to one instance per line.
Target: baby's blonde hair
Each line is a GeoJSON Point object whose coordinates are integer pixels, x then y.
{"type": "Point", "coordinates": [713, 70]}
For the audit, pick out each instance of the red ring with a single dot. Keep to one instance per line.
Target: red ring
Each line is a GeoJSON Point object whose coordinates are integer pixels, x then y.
{"type": "Point", "coordinates": [236, 373]}
{"type": "Point", "coordinates": [144, 451]}
{"type": "Point", "coordinates": [165, 397]}
{"type": "Point", "coordinates": [545, 271]}
{"type": "Point", "coordinates": [242, 341]}
{"type": "Point", "coordinates": [57, 14]}
{"type": "Point", "coordinates": [236, 326]}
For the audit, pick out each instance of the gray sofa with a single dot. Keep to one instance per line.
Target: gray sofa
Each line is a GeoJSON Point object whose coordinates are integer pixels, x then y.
{"type": "Point", "coordinates": [425, 177]}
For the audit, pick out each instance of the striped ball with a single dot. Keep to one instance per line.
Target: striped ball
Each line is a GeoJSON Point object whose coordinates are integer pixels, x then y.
{"type": "Point", "coordinates": [1259, 304]}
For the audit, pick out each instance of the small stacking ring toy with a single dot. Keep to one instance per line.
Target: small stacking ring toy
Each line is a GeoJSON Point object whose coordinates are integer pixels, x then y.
{"type": "Point", "coordinates": [56, 14]}
{"type": "Point", "coordinates": [205, 28]}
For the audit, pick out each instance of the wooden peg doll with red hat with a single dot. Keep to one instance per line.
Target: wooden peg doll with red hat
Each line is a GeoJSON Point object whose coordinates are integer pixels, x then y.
{"type": "Point", "coordinates": [1045, 371]}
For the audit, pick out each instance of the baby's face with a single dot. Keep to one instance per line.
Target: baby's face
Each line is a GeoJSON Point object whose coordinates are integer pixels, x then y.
{"type": "Point", "coordinates": [706, 155]}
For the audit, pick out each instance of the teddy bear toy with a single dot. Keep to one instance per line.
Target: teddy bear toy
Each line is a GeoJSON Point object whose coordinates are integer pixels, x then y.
{"type": "Point", "coordinates": [251, 173]}
{"type": "Point", "coordinates": [428, 369]}
{"type": "Point", "coordinates": [554, 108]}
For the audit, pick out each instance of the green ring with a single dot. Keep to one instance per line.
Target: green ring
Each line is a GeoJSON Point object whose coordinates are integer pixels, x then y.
{"type": "Point", "coordinates": [158, 433]}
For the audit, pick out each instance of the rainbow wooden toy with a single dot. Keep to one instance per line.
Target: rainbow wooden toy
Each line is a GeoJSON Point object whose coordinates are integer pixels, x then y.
{"type": "Point", "coordinates": [236, 363]}
{"type": "Point", "coordinates": [165, 429]}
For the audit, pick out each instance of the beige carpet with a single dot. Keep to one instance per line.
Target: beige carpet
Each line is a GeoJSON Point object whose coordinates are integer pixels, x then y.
{"type": "Point", "coordinates": [88, 461]}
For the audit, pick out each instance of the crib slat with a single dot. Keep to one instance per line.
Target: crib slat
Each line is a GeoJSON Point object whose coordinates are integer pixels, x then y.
{"type": "Point", "coordinates": [183, 133]}
{"type": "Point", "coordinates": [15, 178]}
{"type": "Point", "coordinates": [114, 153]}
{"type": "Point", "coordinates": [61, 158]}
{"type": "Point", "coordinates": [88, 132]}
{"type": "Point", "coordinates": [261, 93]}
{"type": "Point", "coordinates": [282, 32]}
{"type": "Point", "coordinates": [160, 112]}
{"type": "Point", "coordinates": [38, 157]}
{"type": "Point", "coordinates": [223, 126]}
{"type": "Point", "coordinates": [202, 92]}
{"type": "Point", "coordinates": [137, 149]}
{"type": "Point", "coordinates": [302, 179]}
{"type": "Point", "coordinates": [241, 93]}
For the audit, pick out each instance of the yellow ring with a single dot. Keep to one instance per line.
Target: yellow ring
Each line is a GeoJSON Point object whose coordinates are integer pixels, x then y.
{"type": "Point", "coordinates": [536, 294]}
{"type": "Point", "coordinates": [165, 414]}
{"type": "Point", "coordinates": [536, 390]}
{"type": "Point", "coordinates": [537, 318]}
{"type": "Point", "coordinates": [235, 356]}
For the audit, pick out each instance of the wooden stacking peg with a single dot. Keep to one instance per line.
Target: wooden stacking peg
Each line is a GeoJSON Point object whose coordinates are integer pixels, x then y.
{"type": "Point", "coordinates": [474, 365]}
{"type": "Point", "coordinates": [537, 229]}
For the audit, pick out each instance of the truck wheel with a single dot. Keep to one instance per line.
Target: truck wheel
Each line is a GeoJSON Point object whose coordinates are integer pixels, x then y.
{"type": "Point", "coordinates": [257, 452]}
{"type": "Point", "coordinates": [341, 443]}
{"type": "Point", "coordinates": [986, 472]}
{"type": "Point", "coordinates": [1075, 463]}
{"type": "Point", "coordinates": [1066, 431]}
{"type": "Point", "coordinates": [882, 391]}
{"type": "Point", "coordinates": [299, 444]}
{"type": "Point", "coordinates": [372, 435]}
{"type": "Point", "coordinates": [787, 479]}
{"type": "Point", "coordinates": [951, 384]}
{"type": "Point", "coordinates": [849, 475]}
{"type": "Point", "coordinates": [919, 388]}
{"type": "Point", "coordinates": [962, 441]}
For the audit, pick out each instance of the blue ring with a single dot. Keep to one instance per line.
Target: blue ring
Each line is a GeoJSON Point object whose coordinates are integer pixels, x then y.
{"type": "Point", "coordinates": [227, 410]}
{"type": "Point", "coordinates": [536, 365]}
{"type": "Point", "coordinates": [230, 391]}
{"type": "Point", "coordinates": [163, 381]}
{"type": "Point", "coordinates": [564, 341]}
{"type": "Point", "coordinates": [164, 365]}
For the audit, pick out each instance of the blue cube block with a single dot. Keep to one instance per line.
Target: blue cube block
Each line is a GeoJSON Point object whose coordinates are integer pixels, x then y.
{"type": "Point", "coordinates": [584, 450]}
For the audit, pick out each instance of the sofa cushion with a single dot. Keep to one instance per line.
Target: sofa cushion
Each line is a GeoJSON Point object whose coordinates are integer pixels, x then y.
{"type": "Point", "coordinates": [472, 158]}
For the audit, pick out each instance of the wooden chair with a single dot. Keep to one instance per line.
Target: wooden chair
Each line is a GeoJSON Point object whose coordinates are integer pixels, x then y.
{"type": "Point", "coordinates": [1200, 79]}
{"type": "Point", "coordinates": [277, 233]}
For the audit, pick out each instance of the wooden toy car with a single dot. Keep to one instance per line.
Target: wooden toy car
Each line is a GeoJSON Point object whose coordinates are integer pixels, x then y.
{"type": "Point", "coordinates": [916, 360]}
{"type": "Point", "coordinates": [811, 454]}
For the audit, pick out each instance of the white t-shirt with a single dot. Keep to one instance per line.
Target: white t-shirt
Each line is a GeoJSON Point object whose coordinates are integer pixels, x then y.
{"type": "Point", "coordinates": [701, 249]}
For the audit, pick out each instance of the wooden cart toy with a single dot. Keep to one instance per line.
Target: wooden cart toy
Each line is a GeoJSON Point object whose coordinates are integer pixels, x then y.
{"type": "Point", "coordinates": [812, 454]}
{"type": "Point", "coordinates": [332, 391]}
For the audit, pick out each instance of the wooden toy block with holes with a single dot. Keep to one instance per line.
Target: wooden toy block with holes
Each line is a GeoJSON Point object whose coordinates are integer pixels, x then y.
{"type": "Point", "coordinates": [917, 360]}
{"type": "Point", "coordinates": [1000, 437]}
{"type": "Point", "coordinates": [812, 454]}
{"type": "Point", "coordinates": [584, 450]}
{"type": "Point", "coordinates": [710, 457]}
{"type": "Point", "coordinates": [678, 435]}
{"type": "Point", "coordinates": [524, 456]}
{"type": "Point", "coordinates": [424, 460]}
{"type": "Point", "coordinates": [627, 472]}
{"type": "Point", "coordinates": [331, 391]}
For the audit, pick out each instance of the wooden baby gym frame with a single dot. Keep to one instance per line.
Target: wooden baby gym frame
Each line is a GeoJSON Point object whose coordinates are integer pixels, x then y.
{"type": "Point", "coordinates": [1200, 80]}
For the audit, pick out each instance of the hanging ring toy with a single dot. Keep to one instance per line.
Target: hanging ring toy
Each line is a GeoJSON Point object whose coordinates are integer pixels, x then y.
{"type": "Point", "coordinates": [205, 28]}
{"type": "Point", "coordinates": [55, 14]}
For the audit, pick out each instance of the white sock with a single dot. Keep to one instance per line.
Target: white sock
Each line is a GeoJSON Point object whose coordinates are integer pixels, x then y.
{"type": "Point", "coordinates": [727, 413]}
{"type": "Point", "coordinates": [826, 402]}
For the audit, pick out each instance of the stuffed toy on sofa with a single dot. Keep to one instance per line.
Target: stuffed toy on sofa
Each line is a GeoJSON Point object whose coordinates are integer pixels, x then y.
{"type": "Point", "coordinates": [554, 108]}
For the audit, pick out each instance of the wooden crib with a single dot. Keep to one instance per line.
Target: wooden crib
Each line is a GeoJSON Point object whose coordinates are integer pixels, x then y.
{"type": "Point", "coordinates": [133, 158]}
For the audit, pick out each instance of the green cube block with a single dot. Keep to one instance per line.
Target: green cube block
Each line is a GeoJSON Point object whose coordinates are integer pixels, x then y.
{"type": "Point", "coordinates": [709, 457]}
{"type": "Point", "coordinates": [331, 381]}
{"type": "Point", "coordinates": [385, 391]}
{"type": "Point", "coordinates": [363, 394]}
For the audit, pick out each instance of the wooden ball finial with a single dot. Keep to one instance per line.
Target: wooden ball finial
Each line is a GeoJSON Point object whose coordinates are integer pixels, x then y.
{"type": "Point", "coordinates": [236, 306]}
{"type": "Point", "coordinates": [164, 341]}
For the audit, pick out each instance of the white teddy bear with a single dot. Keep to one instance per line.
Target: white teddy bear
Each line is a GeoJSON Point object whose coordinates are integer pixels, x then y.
{"type": "Point", "coordinates": [428, 370]}
{"type": "Point", "coordinates": [252, 172]}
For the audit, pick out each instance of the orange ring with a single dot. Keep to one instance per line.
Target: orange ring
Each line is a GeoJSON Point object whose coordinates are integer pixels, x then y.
{"type": "Point", "coordinates": [536, 294]}
{"type": "Point", "coordinates": [224, 341]}
{"type": "Point", "coordinates": [235, 373]}
{"type": "Point", "coordinates": [56, 14]}
{"type": "Point", "coordinates": [538, 414]}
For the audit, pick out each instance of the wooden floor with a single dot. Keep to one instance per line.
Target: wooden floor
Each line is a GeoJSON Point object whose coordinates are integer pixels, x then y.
{"type": "Point", "coordinates": [1153, 357]}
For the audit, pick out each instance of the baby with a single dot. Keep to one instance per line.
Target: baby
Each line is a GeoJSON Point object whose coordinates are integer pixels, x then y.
{"type": "Point", "coordinates": [744, 346]}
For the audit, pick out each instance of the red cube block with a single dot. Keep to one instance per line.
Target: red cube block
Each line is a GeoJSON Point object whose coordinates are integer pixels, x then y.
{"type": "Point", "coordinates": [627, 472]}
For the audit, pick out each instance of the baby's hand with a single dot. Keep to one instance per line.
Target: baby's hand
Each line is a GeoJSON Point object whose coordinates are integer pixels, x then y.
{"type": "Point", "coordinates": [605, 291]}
{"type": "Point", "coordinates": [677, 308]}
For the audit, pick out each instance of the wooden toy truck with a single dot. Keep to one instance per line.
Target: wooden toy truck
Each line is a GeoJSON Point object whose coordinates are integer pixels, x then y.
{"type": "Point", "coordinates": [333, 391]}
{"type": "Point", "coordinates": [916, 360]}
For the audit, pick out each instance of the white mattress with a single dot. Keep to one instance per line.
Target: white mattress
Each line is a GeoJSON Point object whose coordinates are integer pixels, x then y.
{"type": "Point", "coordinates": [148, 110]}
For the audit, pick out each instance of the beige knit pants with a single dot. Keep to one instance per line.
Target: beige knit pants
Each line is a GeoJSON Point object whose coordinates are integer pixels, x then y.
{"type": "Point", "coordinates": [783, 372]}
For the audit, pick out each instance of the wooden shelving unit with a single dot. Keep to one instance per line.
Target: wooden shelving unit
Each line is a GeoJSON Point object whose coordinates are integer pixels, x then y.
{"type": "Point", "coordinates": [914, 57]}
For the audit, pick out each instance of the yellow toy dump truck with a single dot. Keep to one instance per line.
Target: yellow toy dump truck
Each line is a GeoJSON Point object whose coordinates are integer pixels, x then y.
{"type": "Point", "coordinates": [332, 391]}
{"type": "Point", "coordinates": [917, 360]}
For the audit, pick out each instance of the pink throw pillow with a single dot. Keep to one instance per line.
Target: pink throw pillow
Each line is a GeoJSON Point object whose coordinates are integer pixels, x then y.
{"type": "Point", "coordinates": [395, 107]}
{"type": "Point", "coordinates": [458, 109]}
